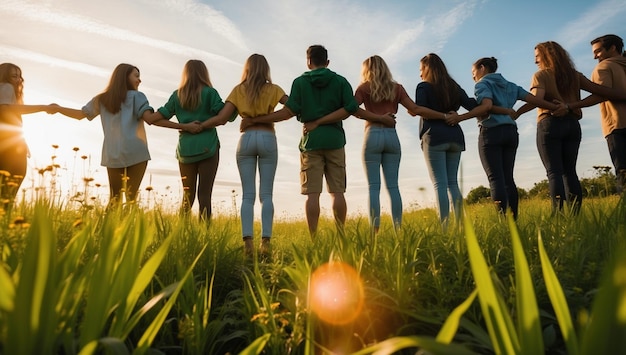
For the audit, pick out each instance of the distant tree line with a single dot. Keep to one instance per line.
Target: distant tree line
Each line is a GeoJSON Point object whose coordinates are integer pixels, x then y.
{"type": "Point", "coordinates": [603, 183]}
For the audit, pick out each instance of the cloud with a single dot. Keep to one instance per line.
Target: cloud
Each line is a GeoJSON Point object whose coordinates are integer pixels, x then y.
{"type": "Point", "coordinates": [585, 27]}
{"type": "Point", "coordinates": [433, 30]}
{"type": "Point", "coordinates": [205, 14]}
{"type": "Point", "coordinates": [49, 15]}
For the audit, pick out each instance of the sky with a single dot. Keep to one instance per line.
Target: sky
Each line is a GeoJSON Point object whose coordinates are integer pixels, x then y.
{"type": "Point", "coordinates": [67, 50]}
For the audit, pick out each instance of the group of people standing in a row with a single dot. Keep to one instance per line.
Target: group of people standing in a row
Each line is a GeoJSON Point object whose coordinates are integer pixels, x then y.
{"type": "Point", "coordinates": [321, 99]}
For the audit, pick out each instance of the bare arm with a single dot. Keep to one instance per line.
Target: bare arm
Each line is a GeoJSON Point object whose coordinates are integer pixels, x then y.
{"type": "Point", "coordinates": [276, 116]}
{"type": "Point", "coordinates": [26, 109]}
{"type": "Point", "coordinates": [157, 119]}
{"type": "Point", "coordinates": [70, 112]}
{"type": "Point", "coordinates": [425, 112]}
{"type": "Point", "coordinates": [221, 118]}
{"type": "Point", "coordinates": [387, 119]}
{"type": "Point", "coordinates": [333, 117]}
{"type": "Point", "coordinates": [539, 93]}
{"type": "Point", "coordinates": [478, 111]}
{"type": "Point", "coordinates": [600, 93]}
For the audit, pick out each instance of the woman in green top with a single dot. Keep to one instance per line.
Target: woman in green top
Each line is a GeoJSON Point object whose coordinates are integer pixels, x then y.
{"type": "Point", "coordinates": [195, 101]}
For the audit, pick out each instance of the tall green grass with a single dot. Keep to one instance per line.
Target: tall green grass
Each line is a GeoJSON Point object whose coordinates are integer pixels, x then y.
{"type": "Point", "coordinates": [83, 281]}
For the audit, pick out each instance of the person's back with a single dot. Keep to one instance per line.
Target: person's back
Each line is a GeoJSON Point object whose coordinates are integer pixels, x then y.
{"type": "Point", "coordinates": [502, 92]}
{"type": "Point", "coordinates": [315, 94]}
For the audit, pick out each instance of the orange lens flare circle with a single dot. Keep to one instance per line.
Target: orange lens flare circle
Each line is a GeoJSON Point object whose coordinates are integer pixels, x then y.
{"type": "Point", "coordinates": [336, 293]}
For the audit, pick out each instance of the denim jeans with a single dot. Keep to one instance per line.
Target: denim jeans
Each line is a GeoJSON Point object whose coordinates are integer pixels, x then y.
{"type": "Point", "coordinates": [616, 141]}
{"type": "Point", "coordinates": [497, 147]}
{"type": "Point", "coordinates": [443, 166]}
{"type": "Point", "coordinates": [381, 148]}
{"type": "Point", "coordinates": [558, 141]}
{"type": "Point", "coordinates": [257, 147]}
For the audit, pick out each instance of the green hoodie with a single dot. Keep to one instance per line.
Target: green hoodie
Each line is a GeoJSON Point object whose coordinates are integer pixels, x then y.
{"type": "Point", "coordinates": [315, 94]}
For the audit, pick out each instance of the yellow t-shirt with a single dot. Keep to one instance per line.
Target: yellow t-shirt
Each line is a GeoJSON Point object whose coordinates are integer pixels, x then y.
{"type": "Point", "coordinates": [264, 104]}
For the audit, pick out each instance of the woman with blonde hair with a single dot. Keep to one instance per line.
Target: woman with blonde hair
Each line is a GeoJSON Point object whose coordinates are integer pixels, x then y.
{"type": "Point", "coordinates": [256, 95]}
{"type": "Point", "coordinates": [558, 138]}
{"type": "Point", "coordinates": [197, 152]}
{"type": "Point", "coordinates": [381, 94]}
{"type": "Point", "coordinates": [13, 148]}
{"type": "Point", "coordinates": [122, 109]}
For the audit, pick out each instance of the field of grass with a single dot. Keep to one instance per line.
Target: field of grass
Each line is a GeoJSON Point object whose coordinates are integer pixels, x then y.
{"type": "Point", "coordinates": [84, 281]}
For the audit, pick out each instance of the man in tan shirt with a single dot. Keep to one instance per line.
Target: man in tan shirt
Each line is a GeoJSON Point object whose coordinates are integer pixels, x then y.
{"type": "Point", "coordinates": [611, 72]}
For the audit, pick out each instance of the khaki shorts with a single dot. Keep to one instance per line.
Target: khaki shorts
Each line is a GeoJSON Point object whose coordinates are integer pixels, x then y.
{"type": "Point", "coordinates": [316, 164]}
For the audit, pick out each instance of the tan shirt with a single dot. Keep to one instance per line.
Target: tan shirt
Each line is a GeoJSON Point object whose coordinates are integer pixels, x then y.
{"type": "Point", "coordinates": [544, 79]}
{"type": "Point", "coordinates": [611, 72]}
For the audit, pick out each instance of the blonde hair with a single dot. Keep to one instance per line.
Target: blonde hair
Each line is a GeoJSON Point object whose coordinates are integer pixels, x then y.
{"type": "Point", "coordinates": [256, 74]}
{"type": "Point", "coordinates": [195, 77]}
{"type": "Point", "coordinates": [376, 72]}
{"type": "Point", "coordinates": [5, 77]}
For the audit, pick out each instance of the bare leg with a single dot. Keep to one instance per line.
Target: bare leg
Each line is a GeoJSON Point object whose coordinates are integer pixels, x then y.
{"type": "Point", "coordinates": [312, 210]}
{"type": "Point", "coordinates": [340, 208]}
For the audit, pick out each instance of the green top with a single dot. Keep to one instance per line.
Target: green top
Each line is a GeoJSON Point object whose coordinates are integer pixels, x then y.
{"type": "Point", "coordinates": [195, 147]}
{"type": "Point", "coordinates": [315, 94]}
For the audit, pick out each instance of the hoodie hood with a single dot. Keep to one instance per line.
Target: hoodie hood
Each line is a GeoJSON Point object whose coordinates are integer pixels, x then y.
{"type": "Point", "coordinates": [319, 77]}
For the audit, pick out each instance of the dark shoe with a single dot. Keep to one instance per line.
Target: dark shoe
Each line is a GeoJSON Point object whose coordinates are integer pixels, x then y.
{"type": "Point", "coordinates": [265, 248]}
{"type": "Point", "coordinates": [248, 247]}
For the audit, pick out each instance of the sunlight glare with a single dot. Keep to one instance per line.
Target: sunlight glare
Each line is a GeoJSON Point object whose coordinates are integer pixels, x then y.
{"type": "Point", "coordinates": [336, 293]}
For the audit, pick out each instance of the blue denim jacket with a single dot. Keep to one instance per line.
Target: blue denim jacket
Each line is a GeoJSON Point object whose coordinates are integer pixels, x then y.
{"type": "Point", "coordinates": [502, 93]}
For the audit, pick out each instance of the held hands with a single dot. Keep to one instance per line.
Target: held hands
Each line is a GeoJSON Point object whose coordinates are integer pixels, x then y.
{"type": "Point", "coordinates": [52, 109]}
{"type": "Point", "coordinates": [388, 120]}
{"type": "Point", "coordinates": [245, 123]}
{"type": "Point", "coordinates": [562, 109]}
{"type": "Point", "coordinates": [192, 127]}
{"type": "Point", "coordinates": [513, 114]}
{"type": "Point", "coordinates": [309, 127]}
{"type": "Point", "coordinates": [452, 118]}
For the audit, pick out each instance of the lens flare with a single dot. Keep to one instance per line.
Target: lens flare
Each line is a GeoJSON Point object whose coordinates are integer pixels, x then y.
{"type": "Point", "coordinates": [336, 293]}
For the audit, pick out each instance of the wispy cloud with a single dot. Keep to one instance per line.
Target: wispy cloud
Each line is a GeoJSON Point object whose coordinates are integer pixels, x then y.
{"type": "Point", "coordinates": [49, 15]}
{"type": "Point", "coordinates": [13, 52]}
{"type": "Point", "coordinates": [430, 31]}
{"type": "Point", "coordinates": [585, 27]}
{"type": "Point", "coordinates": [202, 13]}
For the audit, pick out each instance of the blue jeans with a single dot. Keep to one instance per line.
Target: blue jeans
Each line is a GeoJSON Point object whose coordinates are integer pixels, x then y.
{"type": "Point", "coordinates": [382, 149]}
{"type": "Point", "coordinates": [497, 147]}
{"type": "Point", "coordinates": [443, 165]}
{"type": "Point", "coordinates": [616, 142]}
{"type": "Point", "coordinates": [257, 147]}
{"type": "Point", "coordinates": [558, 141]}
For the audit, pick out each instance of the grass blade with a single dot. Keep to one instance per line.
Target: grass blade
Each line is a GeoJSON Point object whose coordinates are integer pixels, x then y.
{"type": "Point", "coordinates": [606, 331]}
{"type": "Point", "coordinates": [559, 303]}
{"type": "Point", "coordinates": [497, 319]}
{"type": "Point", "coordinates": [528, 322]}
{"type": "Point", "coordinates": [450, 327]}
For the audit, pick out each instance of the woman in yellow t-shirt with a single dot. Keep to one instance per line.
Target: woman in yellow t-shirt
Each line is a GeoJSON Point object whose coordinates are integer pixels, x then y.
{"type": "Point", "coordinates": [254, 96]}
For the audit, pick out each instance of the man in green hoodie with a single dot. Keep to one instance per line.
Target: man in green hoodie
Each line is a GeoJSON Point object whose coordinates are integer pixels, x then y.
{"type": "Point", "coordinates": [321, 99]}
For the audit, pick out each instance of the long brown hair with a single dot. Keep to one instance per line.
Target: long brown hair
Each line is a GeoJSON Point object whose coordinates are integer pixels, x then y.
{"type": "Point", "coordinates": [195, 78]}
{"type": "Point", "coordinates": [377, 73]}
{"type": "Point", "coordinates": [256, 74]}
{"type": "Point", "coordinates": [119, 84]}
{"type": "Point", "coordinates": [556, 59]}
{"type": "Point", "coordinates": [5, 77]}
{"type": "Point", "coordinates": [445, 88]}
